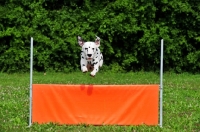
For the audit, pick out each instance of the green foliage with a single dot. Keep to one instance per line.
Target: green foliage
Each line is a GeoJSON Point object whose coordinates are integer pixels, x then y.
{"type": "Point", "coordinates": [130, 34]}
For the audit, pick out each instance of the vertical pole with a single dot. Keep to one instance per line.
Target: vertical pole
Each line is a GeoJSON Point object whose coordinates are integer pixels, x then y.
{"type": "Point", "coordinates": [161, 84]}
{"type": "Point", "coordinates": [31, 78]}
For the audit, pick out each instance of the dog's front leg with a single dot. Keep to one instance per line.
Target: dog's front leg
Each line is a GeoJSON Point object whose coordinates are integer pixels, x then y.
{"type": "Point", "coordinates": [96, 68]}
{"type": "Point", "coordinates": [84, 65]}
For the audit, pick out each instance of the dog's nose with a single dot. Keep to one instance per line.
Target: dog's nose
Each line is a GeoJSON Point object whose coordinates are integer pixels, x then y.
{"type": "Point", "coordinates": [89, 55]}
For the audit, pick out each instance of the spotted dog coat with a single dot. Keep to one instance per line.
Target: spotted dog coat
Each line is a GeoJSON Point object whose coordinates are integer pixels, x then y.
{"type": "Point", "coordinates": [91, 57]}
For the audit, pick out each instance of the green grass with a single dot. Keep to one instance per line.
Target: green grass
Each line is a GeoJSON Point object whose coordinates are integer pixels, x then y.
{"type": "Point", "coordinates": [181, 100]}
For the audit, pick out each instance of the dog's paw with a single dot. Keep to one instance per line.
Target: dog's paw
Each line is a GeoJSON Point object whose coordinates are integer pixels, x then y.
{"type": "Point", "coordinates": [84, 69]}
{"type": "Point", "coordinates": [92, 74]}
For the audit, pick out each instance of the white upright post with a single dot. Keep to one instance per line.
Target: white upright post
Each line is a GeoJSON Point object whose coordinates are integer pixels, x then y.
{"type": "Point", "coordinates": [31, 78]}
{"type": "Point", "coordinates": [161, 84]}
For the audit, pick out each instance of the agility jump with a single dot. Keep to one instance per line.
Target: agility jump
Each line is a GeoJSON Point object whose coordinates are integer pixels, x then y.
{"type": "Point", "coordinates": [96, 104]}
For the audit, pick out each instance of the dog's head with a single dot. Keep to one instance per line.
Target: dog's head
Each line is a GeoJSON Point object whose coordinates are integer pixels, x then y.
{"type": "Point", "coordinates": [89, 48]}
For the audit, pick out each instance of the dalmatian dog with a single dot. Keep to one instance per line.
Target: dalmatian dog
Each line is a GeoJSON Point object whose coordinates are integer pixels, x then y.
{"type": "Point", "coordinates": [91, 57]}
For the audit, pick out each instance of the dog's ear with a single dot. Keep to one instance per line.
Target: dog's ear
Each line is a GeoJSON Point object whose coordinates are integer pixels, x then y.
{"type": "Point", "coordinates": [97, 41]}
{"type": "Point", "coordinates": [80, 41]}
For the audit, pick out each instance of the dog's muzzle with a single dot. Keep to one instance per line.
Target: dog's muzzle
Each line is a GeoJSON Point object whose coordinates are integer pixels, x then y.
{"type": "Point", "coordinates": [89, 56]}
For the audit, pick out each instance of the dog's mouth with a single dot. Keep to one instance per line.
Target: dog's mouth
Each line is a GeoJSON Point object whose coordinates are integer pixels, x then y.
{"type": "Point", "coordinates": [89, 58]}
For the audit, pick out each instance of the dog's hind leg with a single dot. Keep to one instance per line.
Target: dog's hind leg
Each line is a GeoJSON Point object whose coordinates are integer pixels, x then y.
{"type": "Point", "coordinates": [101, 60]}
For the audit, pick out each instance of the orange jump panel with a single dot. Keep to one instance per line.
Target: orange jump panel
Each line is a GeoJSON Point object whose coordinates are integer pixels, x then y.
{"type": "Point", "coordinates": [95, 104]}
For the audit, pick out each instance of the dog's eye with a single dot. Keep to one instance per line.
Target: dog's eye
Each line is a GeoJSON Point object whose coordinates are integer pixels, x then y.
{"type": "Point", "coordinates": [86, 48]}
{"type": "Point", "coordinates": [92, 48]}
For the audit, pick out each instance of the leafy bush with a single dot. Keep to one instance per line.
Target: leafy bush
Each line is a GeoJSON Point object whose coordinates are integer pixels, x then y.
{"type": "Point", "coordinates": [130, 34]}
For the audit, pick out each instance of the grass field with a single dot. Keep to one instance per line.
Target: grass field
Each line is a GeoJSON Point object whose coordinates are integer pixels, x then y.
{"type": "Point", "coordinates": [181, 101]}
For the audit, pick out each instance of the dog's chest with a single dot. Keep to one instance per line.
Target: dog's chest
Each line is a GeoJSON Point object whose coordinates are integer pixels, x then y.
{"type": "Point", "coordinates": [90, 65]}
